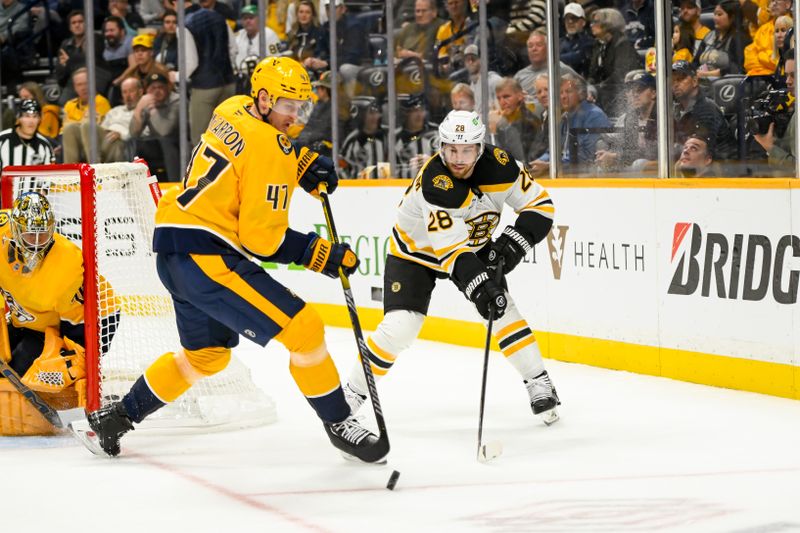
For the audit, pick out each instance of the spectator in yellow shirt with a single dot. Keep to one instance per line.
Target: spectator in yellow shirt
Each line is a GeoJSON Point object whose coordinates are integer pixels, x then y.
{"type": "Point", "coordinates": [682, 43]}
{"type": "Point", "coordinates": [76, 112]}
{"type": "Point", "coordinates": [758, 56]}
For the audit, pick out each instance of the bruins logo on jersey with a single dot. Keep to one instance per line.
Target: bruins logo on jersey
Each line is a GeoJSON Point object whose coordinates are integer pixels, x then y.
{"type": "Point", "coordinates": [481, 227]}
{"type": "Point", "coordinates": [501, 156]}
{"type": "Point", "coordinates": [443, 182]}
{"type": "Point", "coordinates": [284, 144]}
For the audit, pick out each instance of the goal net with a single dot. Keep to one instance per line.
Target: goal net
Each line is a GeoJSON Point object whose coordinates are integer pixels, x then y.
{"type": "Point", "coordinates": [109, 211]}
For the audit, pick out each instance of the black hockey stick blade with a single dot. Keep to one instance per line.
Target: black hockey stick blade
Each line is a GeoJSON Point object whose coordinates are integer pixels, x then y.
{"type": "Point", "coordinates": [383, 438]}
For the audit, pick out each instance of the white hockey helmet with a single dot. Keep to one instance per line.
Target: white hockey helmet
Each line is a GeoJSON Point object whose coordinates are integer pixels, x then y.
{"type": "Point", "coordinates": [461, 127]}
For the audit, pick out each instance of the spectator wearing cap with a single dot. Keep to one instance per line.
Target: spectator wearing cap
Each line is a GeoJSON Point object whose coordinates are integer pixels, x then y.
{"type": "Point", "coordinates": [722, 50]}
{"type": "Point", "coordinates": [472, 62]}
{"type": "Point", "coordinates": [758, 55]}
{"type": "Point", "coordinates": [576, 43]}
{"type": "Point", "coordinates": [694, 112]}
{"type": "Point", "coordinates": [689, 14]}
{"type": "Point", "coordinates": [579, 140]}
{"type": "Point", "coordinates": [513, 126]}
{"type": "Point", "coordinates": [537, 55]}
{"type": "Point", "coordinates": [351, 46]}
{"type": "Point", "coordinates": [640, 22]}
{"type": "Point", "coordinates": [317, 132]}
{"type": "Point", "coordinates": [780, 146]}
{"type": "Point", "coordinates": [247, 39]}
{"type": "Point", "coordinates": [417, 139]}
{"type": "Point", "coordinates": [696, 159]}
{"type": "Point", "coordinates": [144, 62]}
{"type": "Point", "coordinates": [76, 113]}
{"type": "Point", "coordinates": [613, 56]}
{"type": "Point", "coordinates": [462, 98]}
{"type": "Point", "coordinates": [637, 143]}
{"type": "Point", "coordinates": [23, 144]}
{"type": "Point", "coordinates": [154, 126]}
{"type": "Point", "coordinates": [305, 32]}
{"type": "Point", "coordinates": [213, 80]}
{"type": "Point", "coordinates": [365, 147]}
{"type": "Point", "coordinates": [416, 39]}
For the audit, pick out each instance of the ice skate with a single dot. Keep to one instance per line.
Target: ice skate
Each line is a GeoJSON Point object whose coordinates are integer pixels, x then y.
{"type": "Point", "coordinates": [544, 398]}
{"type": "Point", "coordinates": [356, 442]}
{"type": "Point", "coordinates": [354, 399]}
{"type": "Point", "coordinates": [101, 430]}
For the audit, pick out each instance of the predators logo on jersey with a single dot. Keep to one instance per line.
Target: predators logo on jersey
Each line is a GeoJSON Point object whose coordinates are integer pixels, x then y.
{"type": "Point", "coordinates": [501, 156]}
{"type": "Point", "coordinates": [285, 144]}
{"type": "Point", "coordinates": [482, 227]}
{"type": "Point", "coordinates": [443, 182]}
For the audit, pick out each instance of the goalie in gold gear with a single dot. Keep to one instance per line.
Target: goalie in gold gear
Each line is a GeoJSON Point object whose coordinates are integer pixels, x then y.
{"type": "Point", "coordinates": [232, 211]}
{"type": "Point", "coordinates": [444, 229]}
{"type": "Point", "coordinates": [41, 280]}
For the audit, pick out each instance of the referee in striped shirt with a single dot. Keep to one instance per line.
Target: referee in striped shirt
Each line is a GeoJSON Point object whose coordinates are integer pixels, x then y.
{"type": "Point", "coordinates": [22, 144]}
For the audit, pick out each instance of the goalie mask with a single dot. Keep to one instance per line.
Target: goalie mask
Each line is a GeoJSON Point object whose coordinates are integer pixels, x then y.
{"type": "Point", "coordinates": [32, 227]}
{"type": "Point", "coordinates": [461, 136]}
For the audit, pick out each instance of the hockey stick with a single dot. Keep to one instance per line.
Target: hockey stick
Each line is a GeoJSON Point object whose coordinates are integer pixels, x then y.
{"type": "Point", "coordinates": [382, 446]}
{"type": "Point", "coordinates": [490, 450]}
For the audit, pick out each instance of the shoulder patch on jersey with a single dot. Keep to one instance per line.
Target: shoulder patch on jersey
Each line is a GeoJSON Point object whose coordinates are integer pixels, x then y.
{"type": "Point", "coordinates": [440, 181]}
{"type": "Point", "coordinates": [284, 144]}
{"type": "Point", "coordinates": [439, 188]}
{"type": "Point", "coordinates": [491, 170]}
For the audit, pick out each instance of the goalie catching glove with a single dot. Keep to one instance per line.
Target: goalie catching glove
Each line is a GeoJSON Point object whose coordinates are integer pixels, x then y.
{"type": "Point", "coordinates": [512, 246]}
{"type": "Point", "coordinates": [324, 256]}
{"type": "Point", "coordinates": [61, 364]}
{"type": "Point", "coordinates": [313, 169]}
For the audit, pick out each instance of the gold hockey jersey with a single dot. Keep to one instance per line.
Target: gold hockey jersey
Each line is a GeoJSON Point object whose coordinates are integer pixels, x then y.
{"type": "Point", "coordinates": [441, 217]}
{"type": "Point", "coordinates": [51, 293]}
{"type": "Point", "coordinates": [237, 189]}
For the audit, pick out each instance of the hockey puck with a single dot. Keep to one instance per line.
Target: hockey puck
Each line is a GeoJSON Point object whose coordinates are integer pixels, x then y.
{"type": "Point", "coordinates": [393, 480]}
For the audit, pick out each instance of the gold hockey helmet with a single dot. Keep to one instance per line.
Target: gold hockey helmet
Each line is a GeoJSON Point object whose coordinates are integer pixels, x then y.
{"type": "Point", "coordinates": [32, 227]}
{"type": "Point", "coordinates": [281, 77]}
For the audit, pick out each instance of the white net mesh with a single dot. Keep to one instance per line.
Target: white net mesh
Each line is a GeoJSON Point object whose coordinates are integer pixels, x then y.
{"type": "Point", "coordinates": [125, 213]}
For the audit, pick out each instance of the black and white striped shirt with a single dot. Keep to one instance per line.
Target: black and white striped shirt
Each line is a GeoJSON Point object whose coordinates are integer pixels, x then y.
{"type": "Point", "coordinates": [15, 150]}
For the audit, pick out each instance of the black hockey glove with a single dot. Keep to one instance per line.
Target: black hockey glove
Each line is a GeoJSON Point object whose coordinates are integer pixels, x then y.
{"type": "Point", "coordinates": [487, 296]}
{"type": "Point", "coordinates": [511, 246]}
{"type": "Point", "coordinates": [326, 257]}
{"type": "Point", "coordinates": [313, 169]}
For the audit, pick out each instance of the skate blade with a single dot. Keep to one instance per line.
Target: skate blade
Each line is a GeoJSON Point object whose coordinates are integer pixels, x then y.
{"type": "Point", "coordinates": [354, 459]}
{"type": "Point", "coordinates": [489, 451]}
{"type": "Point", "coordinates": [550, 417]}
{"type": "Point", "coordinates": [81, 430]}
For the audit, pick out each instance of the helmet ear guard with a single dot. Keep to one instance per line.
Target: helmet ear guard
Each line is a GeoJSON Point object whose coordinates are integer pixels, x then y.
{"type": "Point", "coordinates": [32, 227]}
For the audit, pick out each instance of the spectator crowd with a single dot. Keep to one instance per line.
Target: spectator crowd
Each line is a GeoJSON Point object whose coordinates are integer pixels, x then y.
{"type": "Point", "coordinates": [732, 80]}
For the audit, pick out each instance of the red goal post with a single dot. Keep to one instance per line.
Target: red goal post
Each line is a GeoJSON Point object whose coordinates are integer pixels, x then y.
{"type": "Point", "coordinates": [109, 211]}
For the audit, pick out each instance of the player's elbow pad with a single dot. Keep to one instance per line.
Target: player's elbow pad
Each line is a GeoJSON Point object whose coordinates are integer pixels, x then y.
{"type": "Point", "coordinates": [533, 226]}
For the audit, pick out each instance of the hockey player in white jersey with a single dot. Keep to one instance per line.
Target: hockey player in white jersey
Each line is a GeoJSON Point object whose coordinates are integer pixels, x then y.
{"type": "Point", "coordinates": [444, 229]}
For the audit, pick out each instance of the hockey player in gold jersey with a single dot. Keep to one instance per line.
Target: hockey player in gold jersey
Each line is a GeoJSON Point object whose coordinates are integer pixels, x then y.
{"type": "Point", "coordinates": [444, 229]}
{"type": "Point", "coordinates": [232, 209]}
{"type": "Point", "coordinates": [41, 280]}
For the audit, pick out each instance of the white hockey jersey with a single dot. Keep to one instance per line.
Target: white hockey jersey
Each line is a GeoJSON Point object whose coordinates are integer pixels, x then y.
{"type": "Point", "coordinates": [441, 217]}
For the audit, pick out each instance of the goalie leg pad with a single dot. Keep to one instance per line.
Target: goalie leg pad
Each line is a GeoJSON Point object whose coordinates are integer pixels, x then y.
{"type": "Point", "coordinates": [18, 416]}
